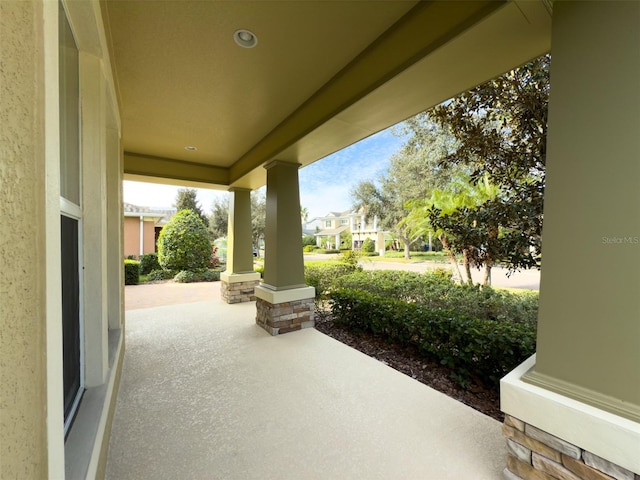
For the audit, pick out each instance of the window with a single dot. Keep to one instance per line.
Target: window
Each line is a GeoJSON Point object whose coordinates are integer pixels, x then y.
{"type": "Point", "coordinates": [70, 220]}
{"type": "Point", "coordinates": [327, 223]}
{"type": "Point", "coordinates": [344, 221]}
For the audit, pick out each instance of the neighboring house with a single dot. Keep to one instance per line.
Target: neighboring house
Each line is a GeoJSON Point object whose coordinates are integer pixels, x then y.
{"type": "Point", "coordinates": [312, 226]}
{"type": "Point", "coordinates": [142, 226]}
{"type": "Point", "coordinates": [356, 223]}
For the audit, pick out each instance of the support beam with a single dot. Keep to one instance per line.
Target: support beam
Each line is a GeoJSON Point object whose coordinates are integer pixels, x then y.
{"type": "Point", "coordinates": [284, 302]}
{"type": "Point", "coordinates": [238, 282]}
{"type": "Point", "coordinates": [583, 386]}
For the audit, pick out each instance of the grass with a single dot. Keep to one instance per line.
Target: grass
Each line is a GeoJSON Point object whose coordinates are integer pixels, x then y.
{"type": "Point", "coordinates": [398, 257]}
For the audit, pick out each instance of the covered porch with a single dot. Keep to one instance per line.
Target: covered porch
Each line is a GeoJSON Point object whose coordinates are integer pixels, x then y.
{"type": "Point", "coordinates": [206, 393]}
{"type": "Point", "coordinates": [97, 91]}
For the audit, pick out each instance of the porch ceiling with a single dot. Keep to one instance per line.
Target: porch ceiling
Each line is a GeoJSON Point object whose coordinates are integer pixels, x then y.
{"type": "Point", "coordinates": [322, 76]}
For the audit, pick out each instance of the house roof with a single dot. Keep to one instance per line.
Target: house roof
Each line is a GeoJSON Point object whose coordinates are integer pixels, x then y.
{"type": "Point", "coordinates": [332, 231]}
{"type": "Point", "coordinates": [161, 214]}
{"type": "Point", "coordinates": [322, 76]}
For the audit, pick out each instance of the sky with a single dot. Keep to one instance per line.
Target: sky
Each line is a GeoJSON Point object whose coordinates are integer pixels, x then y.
{"type": "Point", "coordinates": [325, 185]}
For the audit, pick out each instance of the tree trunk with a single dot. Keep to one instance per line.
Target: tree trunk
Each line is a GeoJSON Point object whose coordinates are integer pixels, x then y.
{"type": "Point", "coordinates": [407, 246]}
{"type": "Point", "coordinates": [467, 266]}
{"type": "Point", "coordinates": [452, 257]}
{"type": "Point", "coordinates": [486, 281]}
{"type": "Point", "coordinates": [493, 232]}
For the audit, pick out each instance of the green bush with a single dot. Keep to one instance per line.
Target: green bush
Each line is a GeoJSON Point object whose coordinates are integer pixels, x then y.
{"type": "Point", "coordinates": [183, 243]}
{"type": "Point", "coordinates": [148, 262]}
{"type": "Point", "coordinates": [471, 347]}
{"type": "Point", "coordinates": [131, 272]}
{"type": "Point", "coordinates": [309, 248]}
{"type": "Point", "coordinates": [321, 275]}
{"type": "Point", "coordinates": [308, 241]}
{"type": "Point", "coordinates": [260, 270]}
{"type": "Point", "coordinates": [325, 251]}
{"type": "Point", "coordinates": [349, 256]}
{"type": "Point", "coordinates": [201, 275]}
{"type": "Point", "coordinates": [368, 246]}
{"type": "Point", "coordinates": [160, 274]}
{"type": "Point", "coordinates": [435, 290]}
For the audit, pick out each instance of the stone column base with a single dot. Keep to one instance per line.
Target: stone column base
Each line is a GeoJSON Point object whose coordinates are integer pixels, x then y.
{"type": "Point", "coordinates": [285, 310]}
{"type": "Point", "coordinates": [534, 453]}
{"type": "Point", "coordinates": [238, 287]}
{"type": "Point", "coordinates": [551, 436]}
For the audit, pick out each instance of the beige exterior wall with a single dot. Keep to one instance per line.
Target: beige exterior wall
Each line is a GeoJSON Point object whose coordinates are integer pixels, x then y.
{"type": "Point", "coordinates": [23, 442]}
{"type": "Point", "coordinates": [131, 236]}
{"type": "Point", "coordinates": [32, 443]}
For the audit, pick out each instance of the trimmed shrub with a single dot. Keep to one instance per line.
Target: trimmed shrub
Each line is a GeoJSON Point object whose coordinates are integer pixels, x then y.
{"type": "Point", "coordinates": [309, 248]}
{"type": "Point", "coordinates": [308, 241]}
{"type": "Point", "coordinates": [349, 256]}
{"type": "Point", "coordinates": [183, 243]}
{"type": "Point", "coordinates": [131, 272]}
{"type": "Point", "coordinates": [482, 349]}
{"type": "Point", "coordinates": [148, 262]}
{"type": "Point", "coordinates": [203, 275]}
{"type": "Point", "coordinates": [156, 275]}
{"type": "Point", "coordinates": [321, 275]}
{"type": "Point", "coordinates": [368, 246]}
{"type": "Point", "coordinates": [437, 291]}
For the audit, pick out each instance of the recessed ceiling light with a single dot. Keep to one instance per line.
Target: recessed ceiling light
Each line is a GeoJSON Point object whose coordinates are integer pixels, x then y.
{"type": "Point", "coordinates": [190, 148]}
{"type": "Point", "coordinates": [245, 38]}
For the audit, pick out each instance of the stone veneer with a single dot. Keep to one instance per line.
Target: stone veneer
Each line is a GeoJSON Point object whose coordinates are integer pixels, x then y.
{"type": "Point", "coordinates": [284, 317]}
{"type": "Point", "coordinates": [537, 455]}
{"type": "Point", "coordinates": [238, 292]}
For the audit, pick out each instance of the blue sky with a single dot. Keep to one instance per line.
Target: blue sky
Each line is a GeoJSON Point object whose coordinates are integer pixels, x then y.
{"type": "Point", "coordinates": [325, 185]}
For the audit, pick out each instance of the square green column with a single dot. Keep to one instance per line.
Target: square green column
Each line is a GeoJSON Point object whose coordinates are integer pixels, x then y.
{"type": "Point", "coordinates": [284, 263]}
{"type": "Point", "coordinates": [238, 282]}
{"type": "Point", "coordinates": [580, 393]}
{"type": "Point", "coordinates": [239, 247]}
{"type": "Point", "coordinates": [284, 302]}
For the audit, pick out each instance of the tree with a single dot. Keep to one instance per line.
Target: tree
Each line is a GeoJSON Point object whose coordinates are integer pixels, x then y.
{"type": "Point", "coordinates": [184, 243]}
{"type": "Point", "coordinates": [500, 129]}
{"type": "Point", "coordinates": [186, 200]}
{"type": "Point", "coordinates": [219, 218]}
{"type": "Point", "coordinates": [258, 218]}
{"type": "Point", "coordinates": [456, 214]}
{"type": "Point", "coordinates": [304, 214]}
{"type": "Point", "coordinates": [412, 174]}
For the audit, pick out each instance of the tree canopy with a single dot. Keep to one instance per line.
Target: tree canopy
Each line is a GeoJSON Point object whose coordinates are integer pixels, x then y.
{"type": "Point", "coordinates": [413, 173]}
{"type": "Point", "coordinates": [186, 199]}
{"type": "Point", "coordinates": [219, 218]}
{"type": "Point", "coordinates": [471, 170]}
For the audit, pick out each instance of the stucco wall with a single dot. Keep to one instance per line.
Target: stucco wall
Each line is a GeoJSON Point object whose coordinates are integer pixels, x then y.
{"type": "Point", "coordinates": [149, 237]}
{"type": "Point", "coordinates": [22, 283]}
{"type": "Point", "coordinates": [131, 236]}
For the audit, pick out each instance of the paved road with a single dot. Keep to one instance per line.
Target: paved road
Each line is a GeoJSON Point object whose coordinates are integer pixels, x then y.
{"type": "Point", "coordinates": [527, 279]}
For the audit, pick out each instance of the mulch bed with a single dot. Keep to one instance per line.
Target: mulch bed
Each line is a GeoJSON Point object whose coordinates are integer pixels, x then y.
{"type": "Point", "coordinates": [406, 360]}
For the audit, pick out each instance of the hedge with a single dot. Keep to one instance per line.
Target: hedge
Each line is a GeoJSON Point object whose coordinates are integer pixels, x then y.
{"type": "Point", "coordinates": [203, 275]}
{"type": "Point", "coordinates": [148, 263]}
{"type": "Point", "coordinates": [436, 290]}
{"type": "Point", "coordinates": [321, 275]}
{"type": "Point", "coordinates": [131, 272]}
{"type": "Point", "coordinates": [473, 348]}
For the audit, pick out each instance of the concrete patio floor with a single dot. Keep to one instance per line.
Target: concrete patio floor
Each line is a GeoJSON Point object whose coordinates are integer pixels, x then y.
{"type": "Point", "coordinates": [206, 394]}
